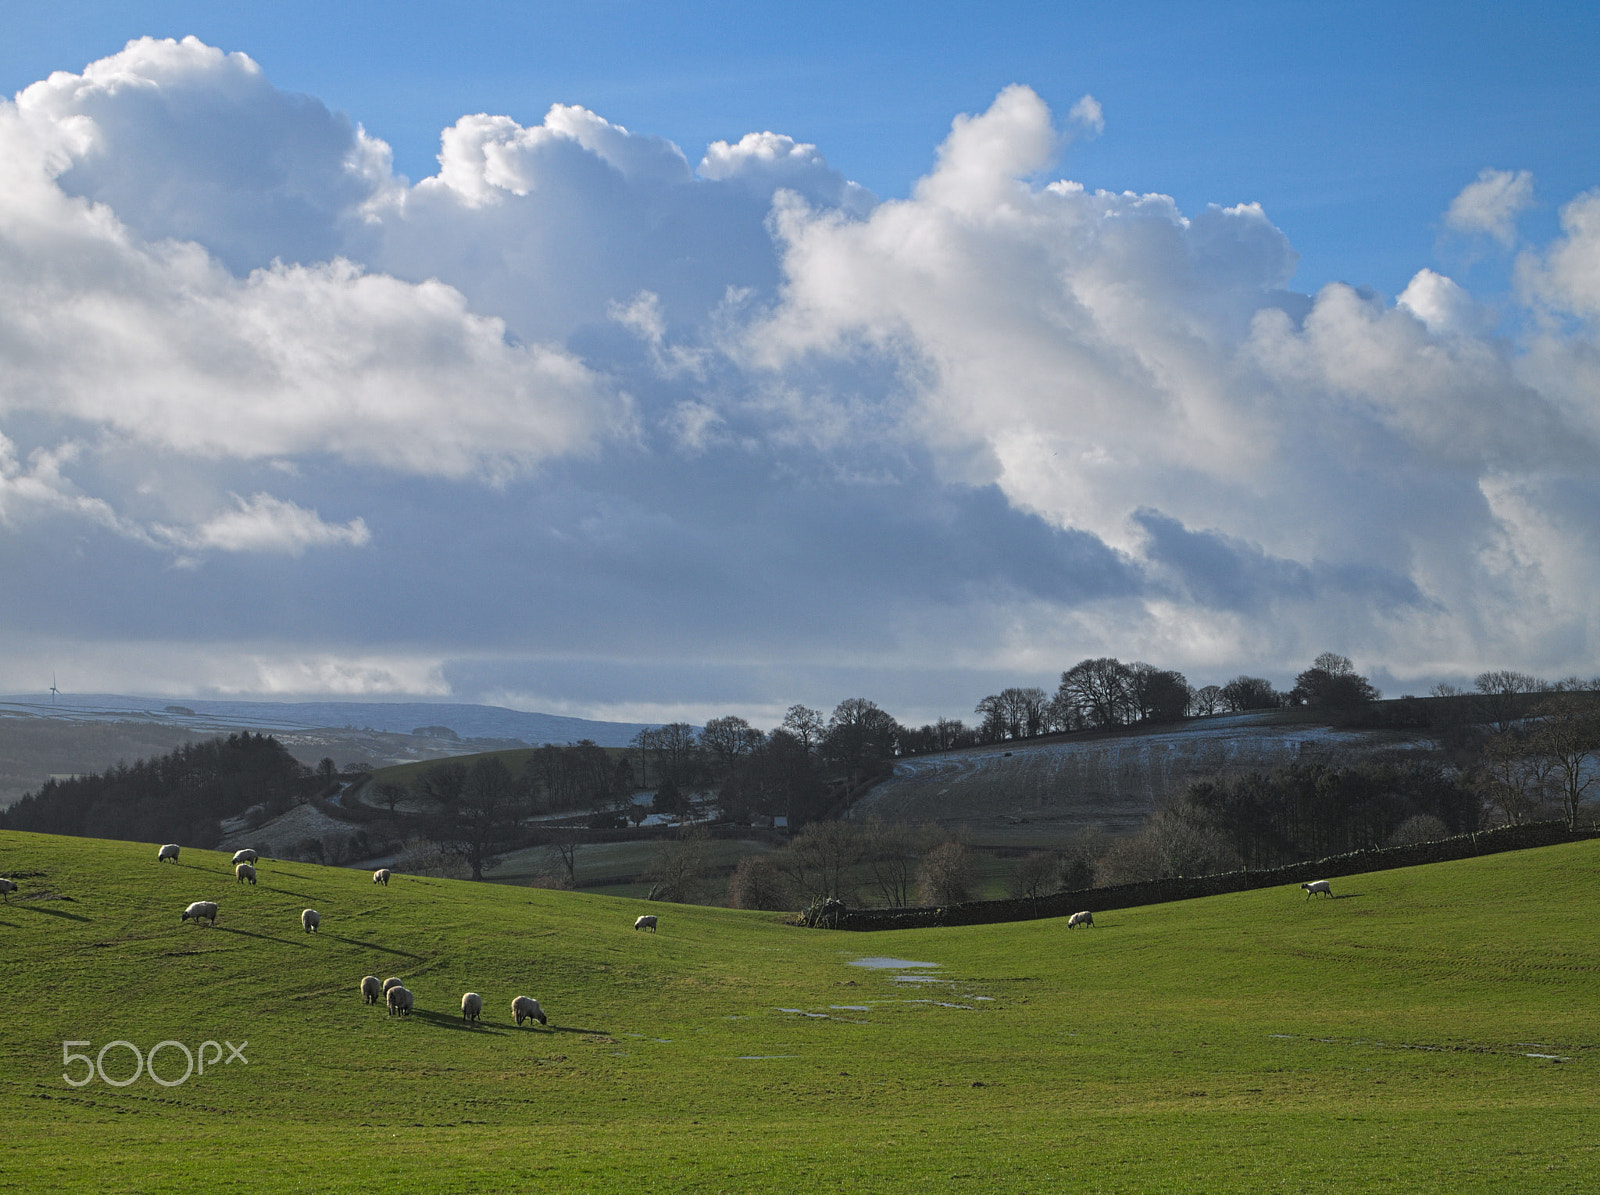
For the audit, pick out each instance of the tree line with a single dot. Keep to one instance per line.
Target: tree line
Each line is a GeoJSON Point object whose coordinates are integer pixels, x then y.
{"type": "Point", "coordinates": [180, 797]}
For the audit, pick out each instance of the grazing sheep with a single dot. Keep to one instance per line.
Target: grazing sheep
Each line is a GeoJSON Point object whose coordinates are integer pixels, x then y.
{"type": "Point", "coordinates": [527, 1007]}
{"type": "Point", "coordinates": [310, 919]}
{"type": "Point", "coordinates": [245, 856]}
{"type": "Point", "coordinates": [245, 874]}
{"type": "Point", "coordinates": [170, 851]}
{"type": "Point", "coordinates": [201, 908]}
{"type": "Point", "coordinates": [648, 921]}
{"type": "Point", "coordinates": [370, 990]}
{"type": "Point", "coordinates": [1083, 918]}
{"type": "Point", "coordinates": [7, 887]}
{"type": "Point", "coordinates": [391, 982]}
{"type": "Point", "coordinates": [471, 1006]}
{"type": "Point", "coordinates": [381, 876]}
{"type": "Point", "coordinates": [1313, 887]}
{"type": "Point", "coordinates": [400, 1001]}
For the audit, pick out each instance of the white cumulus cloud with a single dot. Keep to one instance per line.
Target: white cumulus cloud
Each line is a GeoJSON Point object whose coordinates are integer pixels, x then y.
{"type": "Point", "coordinates": [1490, 206]}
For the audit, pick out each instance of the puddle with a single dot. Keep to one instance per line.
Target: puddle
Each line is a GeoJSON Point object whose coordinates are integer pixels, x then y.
{"type": "Point", "coordinates": [1551, 1057]}
{"type": "Point", "coordinates": [850, 1007]}
{"type": "Point", "coordinates": [1283, 1035]}
{"type": "Point", "coordinates": [802, 1012]}
{"type": "Point", "coordinates": [888, 964]}
{"type": "Point", "coordinates": [918, 979]}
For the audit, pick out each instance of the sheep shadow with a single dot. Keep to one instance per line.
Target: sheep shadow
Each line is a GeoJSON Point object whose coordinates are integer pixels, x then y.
{"type": "Point", "coordinates": [58, 913]}
{"type": "Point", "coordinates": [1347, 895]}
{"type": "Point", "coordinates": [250, 933]}
{"type": "Point", "coordinates": [373, 946]}
{"type": "Point", "coordinates": [575, 1029]}
{"type": "Point", "coordinates": [442, 1020]}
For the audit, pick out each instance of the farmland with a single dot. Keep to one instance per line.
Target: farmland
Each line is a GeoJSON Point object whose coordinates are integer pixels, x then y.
{"type": "Point", "coordinates": [1037, 793]}
{"type": "Point", "coordinates": [1430, 1029]}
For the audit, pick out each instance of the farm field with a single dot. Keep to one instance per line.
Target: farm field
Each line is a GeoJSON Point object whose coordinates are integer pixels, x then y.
{"type": "Point", "coordinates": [1038, 793]}
{"type": "Point", "coordinates": [1430, 1029]}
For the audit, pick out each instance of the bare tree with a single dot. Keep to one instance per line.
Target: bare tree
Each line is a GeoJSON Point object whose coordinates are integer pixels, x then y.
{"type": "Point", "coordinates": [679, 868]}
{"type": "Point", "coordinates": [807, 725]}
{"type": "Point", "coordinates": [758, 882]}
{"type": "Point", "coordinates": [1097, 690]}
{"type": "Point", "coordinates": [819, 859]}
{"type": "Point", "coordinates": [890, 849]}
{"type": "Point", "coordinates": [1037, 874]}
{"type": "Point", "coordinates": [1568, 734]}
{"type": "Point", "coordinates": [948, 875]}
{"type": "Point", "coordinates": [477, 809]}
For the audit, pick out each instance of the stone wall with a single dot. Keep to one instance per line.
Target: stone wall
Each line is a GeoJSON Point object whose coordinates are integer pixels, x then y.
{"type": "Point", "coordinates": [1155, 892]}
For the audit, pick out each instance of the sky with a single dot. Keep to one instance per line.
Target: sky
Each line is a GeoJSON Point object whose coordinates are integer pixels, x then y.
{"type": "Point", "coordinates": [650, 362]}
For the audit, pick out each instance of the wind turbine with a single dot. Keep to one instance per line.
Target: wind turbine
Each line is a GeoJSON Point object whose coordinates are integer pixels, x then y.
{"type": "Point", "coordinates": [53, 689]}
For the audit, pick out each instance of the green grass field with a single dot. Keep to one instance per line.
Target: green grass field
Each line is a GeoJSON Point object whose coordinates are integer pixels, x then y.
{"type": "Point", "coordinates": [1381, 1041]}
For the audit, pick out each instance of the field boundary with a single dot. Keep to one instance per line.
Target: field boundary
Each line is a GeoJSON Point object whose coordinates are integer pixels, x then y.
{"type": "Point", "coordinates": [1155, 892]}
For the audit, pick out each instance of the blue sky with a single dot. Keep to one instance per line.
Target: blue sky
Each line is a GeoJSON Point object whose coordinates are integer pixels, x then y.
{"type": "Point", "coordinates": [603, 420]}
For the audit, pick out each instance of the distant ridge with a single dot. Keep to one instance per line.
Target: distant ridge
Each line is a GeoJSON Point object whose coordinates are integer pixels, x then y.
{"type": "Point", "coordinates": [468, 721]}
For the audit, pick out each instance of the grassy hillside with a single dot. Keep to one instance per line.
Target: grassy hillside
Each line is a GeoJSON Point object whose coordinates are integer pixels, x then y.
{"type": "Point", "coordinates": [1384, 1040]}
{"type": "Point", "coordinates": [1038, 793]}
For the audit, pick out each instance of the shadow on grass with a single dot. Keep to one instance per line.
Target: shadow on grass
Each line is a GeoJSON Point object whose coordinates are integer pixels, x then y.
{"type": "Point", "coordinates": [57, 913]}
{"type": "Point", "coordinates": [250, 933]}
{"type": "Point", "coordinates": [575, 1029]}
{"type": "Point", "coordinates": [444, 1020]}
{"type": "Point", "coordinates": [1347, 895]}
{"type": "Point", "coordinates": [373, 946]}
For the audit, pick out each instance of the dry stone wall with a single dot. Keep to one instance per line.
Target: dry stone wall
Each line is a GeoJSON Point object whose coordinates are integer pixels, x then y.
{"type": "Point", "coordinates": [1155, 892]}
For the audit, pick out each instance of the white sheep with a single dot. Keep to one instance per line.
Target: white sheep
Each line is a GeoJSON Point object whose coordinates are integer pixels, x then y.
{"type": "Point", "coordinates": [170, 851]}
{"type": "Point", "coordinates": [381, 876]}
{"type": "Point", "coordinates": [370, 990]}
{"type": "Point", "coordinates": [527, 1007]}
{"type": "Point", "coordinates": [245, 874]}
{"type": "Point", "coordinates": [245, 856]}
{"type": "Point", "coordinates": [400, 1001]}
{"type": "Point", "coordinates": [1083, 918]}
{"type": "Point", "coordinates": [7, 887]}
{"type": "Point", "coordinates": [648, 921]}
{"type": "Point", "coordinates": [201, 908]}
{"type": "Point", "coordinates": [471, 1006]}
{"type": "Point", "coordinates": [1313, 887]}
{"type": "Point", "coordinates": [310, 919]}
{"type": "Point", "coordinates": [391, 982]}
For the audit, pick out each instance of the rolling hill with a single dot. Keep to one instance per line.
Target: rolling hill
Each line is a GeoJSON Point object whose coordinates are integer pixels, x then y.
{"type": "Point", "coordinates": [1037, 793]}
{"type": "Point", "coordinates": [1430, 1030]}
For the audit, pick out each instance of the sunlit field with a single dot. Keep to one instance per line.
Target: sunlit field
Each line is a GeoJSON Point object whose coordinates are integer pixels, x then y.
{"type": "Point", "coordinates": [1429, 1029]}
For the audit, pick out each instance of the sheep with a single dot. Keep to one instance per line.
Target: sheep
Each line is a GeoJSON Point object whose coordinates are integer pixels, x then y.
{"type": "Point", "coordinates": [471, 1006]}
{"type": "Point", "coordinates": [648, 921]}
{"type": "Point", "coordinates": [245, 874]}
{"type": "Point", "coordinates": [310, 919]}
{"type": "Point", "coordinates": [1083, 918]}
{"type": "Point", "coordinates": [391, 982]}
{"type": "Point", "coordinates": [527, 1006]}
{"type": "Point", "coordinates": [1313, 887]}
{"type": "Point", "coordinates": [369, 988]}
{"type": "Point", "coordinates": [170, 851]}
{"type": "Point", "coordinates": [201, 908]}
{"type": "Point", "coordinates": [400, 1001]}
{"type": "Point", "coordinates": [245, 856]}
{"type": "Point", "coordinates": [7, 887]}
{"type": "Point", "coordinates": [381, 876]}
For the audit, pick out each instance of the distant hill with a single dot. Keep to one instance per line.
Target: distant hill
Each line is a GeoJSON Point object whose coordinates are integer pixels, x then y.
{"type": "Point", "coordinates": [84, 733]}
{"type": "Point", "coordinates": [399, 717]}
